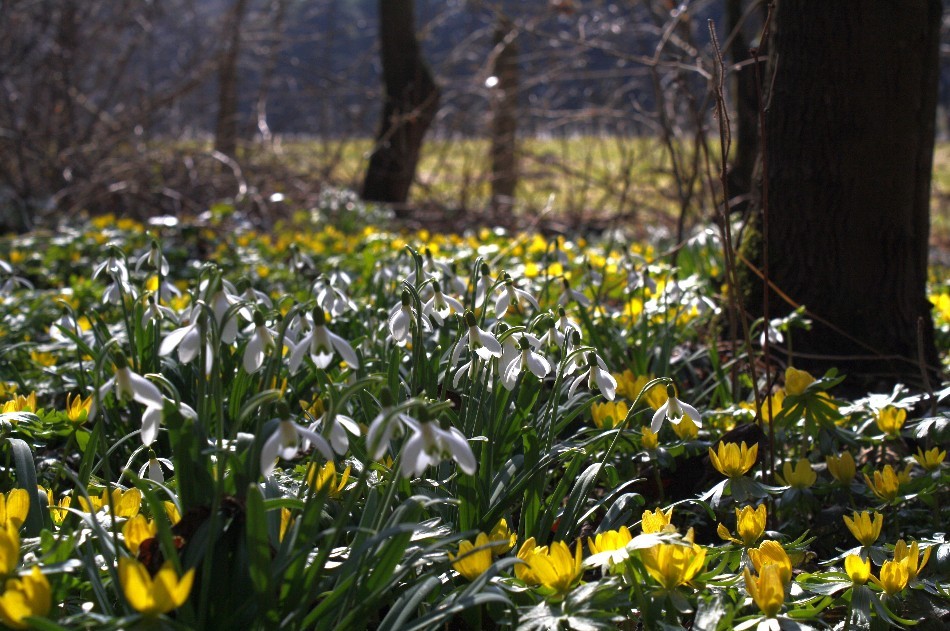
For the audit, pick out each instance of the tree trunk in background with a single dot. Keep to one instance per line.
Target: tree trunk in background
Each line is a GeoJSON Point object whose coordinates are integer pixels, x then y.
{"type": "Point", "coordinates": [747, 102]}
{"type": "Point", "coordinates": [226, 127]}
{"type": "Point", "coordinates": [850, 138]}
{"type": "Point", "coordinates": [504, 126]}
{"type": "Point", "coordinates": [411, 102]}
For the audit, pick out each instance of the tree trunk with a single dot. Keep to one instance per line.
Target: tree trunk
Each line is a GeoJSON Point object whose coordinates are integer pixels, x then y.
{"type": "Point", "coordinates": [850, 137]}
{"type": "Point", "coordinates": [226, 128]}
{"type": "Point", "coordinates": [746, 101]}
{"type": "Point", "coordinates": [411, 102]}
{"type": "Point", "coordinates": [504, 126]}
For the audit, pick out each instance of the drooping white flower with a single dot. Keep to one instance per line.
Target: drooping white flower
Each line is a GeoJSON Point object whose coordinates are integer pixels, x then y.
{"type": "Point", "coordinates": [128, 386]}
{"type": "Point", "coordinates": [526, 359]}
{"type": "Point", "coordinates": [154, 258]}
{"type": "Point", "coordinates": [598, 377]}
{"type": "Point", "coordinates": [321, 344]}
{"type": "Point", "coordinates": [430, 444]}
{"type": "Point", "coordinates": [154, 469]}
{"type": "Point", "coordinates": [287, 441]}
{"type": "Point", "coordinates": [440, 306]}
{"type": "Point", "coordinates": [338, 428]}
{"type": "Point", "coordinates": [568, 294]}
{"type": "Point", "coordinates": [673, 411]}
{"type": "Point", "coordinates": [261, 343]}
{"type": "Point", "coordinates": [331, 298]}
{"type": "Point", "coordinates": [155, 312]}
{"type": "Point", "coordinates": [187, 338]}
{"type": "Point", "coordinates": [511, 296]}
{"type": "Point", "coordinates": [483, 286]}
{"type": "Point", "coordinates": [480, 342]}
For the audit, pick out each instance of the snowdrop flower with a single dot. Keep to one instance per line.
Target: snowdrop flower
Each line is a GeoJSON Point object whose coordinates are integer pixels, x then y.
{"type": "Point", "coordinates": [128, 386]}
{"type": "Point", "coordinates": [153, 257]}
{"type": "Point", "coordinates": [113, 266]}
{"type": "Point", "coordinates": [384, 427]}
{"type": "Point", "coordinates": [152, 419]}
{"type": "Point", "coordinates": [339, 425]}
{"type": "Point", "coordinates": [155, 312]}
{"type": "Point", "coordinates": [253, 296]}
{"type": "Point", "coordinates": [440, 306]}
{"type": "Point", "coordinates": [484, 285]}
{"type": "Point", "coordinates": [288, 440]}
{"type": "Point", "coordinates": [64, 327]}
{"type": "Point", "coordinates": [187, 339]}
{"type": "Point", "coordinates": [400, 318]}
{"type": "Point", "coordinates": [430, 444]}
{"type": "Point", "coordinates": [12, 281]}
{"type": "Point", "coordinates": [221, 301]}
{"type": "Point", "coordinates": [568, 294]}
{"type": "Point", "coordinates": [298, 260]}
{"type": "Point", "coordinates": [332, 299]}
{"type": "Point", "coordinates": [577, 361]}
{"type": "Point", "coordinates": [512, 296]}
{"type": "Point", "coordinates": [261, 343]}
{"type": "Point", "coordinates": [525, 359]}
{"type": "Point", "coordinates": [480, 342]}
{"type": "Point", "coordinates": [154, 468]}
{"type": "Point", "coordinates": [115, 291]}
{"type": "Point", "coordinates": [453, 282]}
{"type": "Point", "coordinates": [430, 267]}
{"type": "Point", "coordinates": [597, 377]}
{"type": "Point", "coordinates": [321, 344]}
{"type": "Point", "coordinates": [673, 411]}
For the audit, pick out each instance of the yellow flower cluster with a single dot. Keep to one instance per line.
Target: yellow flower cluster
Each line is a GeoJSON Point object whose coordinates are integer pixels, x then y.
{"type": "Point", "coordinates": [774, 571]}
{"type": "Point", "coordinates": [733, 460]}
{"type": "Point", "coordinates": [474, 558]}
{"type": "Point", "coordinates": [553, 568]}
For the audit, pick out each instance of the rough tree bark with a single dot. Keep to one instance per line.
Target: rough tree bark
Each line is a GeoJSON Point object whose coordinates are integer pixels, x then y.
{"type": "Point", "coordinates": [504, 124]}
{"type": "Point", "coordinates": [411, 102]}
{"type": "Point", "coordinates": [226, 126]}
{"type": "Point", "coordinates": [746, 100]}
{"type": "Point", "coordinates": [850, 137]}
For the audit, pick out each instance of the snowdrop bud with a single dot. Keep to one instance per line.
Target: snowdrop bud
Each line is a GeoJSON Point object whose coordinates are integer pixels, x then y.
{"type": "Point", "coordinates": [406, 299]}
{"type": "Point", "coordinates": [258, 318]}
{"type": "Point", "coordinates": [523, 343]}
{"type": "Point", "coordinates": [485, 269]}
{"type": "Point", "coordinates": [386, 397]}
{"type": "Point", "coordinates": [575, 337]}
{"type": "Point", "coordinates": [436, 287]}
{"type": "Point", "coordinates": [470, 319]}
{"type": "Point", "coordinates": [501, 327]}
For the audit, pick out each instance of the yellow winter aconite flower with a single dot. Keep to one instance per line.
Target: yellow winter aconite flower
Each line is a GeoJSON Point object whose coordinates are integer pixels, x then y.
{"type": "Point", "coordinates": [893, 578]}
{"type": "Point", "coordinates": [801, 476]}
{"type": "Point", "coordinates": [524, 571]}
{"type": "Point", "coordinates": [325, 477]}
{"type": "Point", "coordinates": [766, 589]}
{"type": "Point", "coordinates": [750, 525]}
{"type": "Point", "coordinates": [930, 459]}
{"type": "Point", "coordinates": [865, 528]}
{"type": "Point", "coordinates": [842, 468]}
{"type": "Point", "coordinates": [858, 569]}
{"type": "Point", "coordinates": [124, 503]}
{"type": "Point", "coordinates": [796, 381]}
{"type": "Point", "coordinates": [772, 404]}
{"type": "Point", "coordinates": [136, 530]}
{"type": "Point", "coordinates": [43, 359]}
{"type": "Point", "coordinates": [657, 521]}
{"type": "Point", "coordinates": [608, 548]}
{"type": "Point", "coordinates": [772, 553]}
{"type": "Point", "coordinates": [910, 557]}
{"type": "Point", "coordinates": [472, 559]}
{"type": "Point", "coordinates": [650, 440]}
{"type": "Point", "coordinates": [890, 420]}
{"type": "Point", "coordinates": [502, 538]}
{"type": "Point", "coordinates": [630, 385]}
{"type": "Point", "coordinates": [673, 564]}
{"type": "Point", "coordinates": [285, 520]}
{"type": "Point", "coordinates": [555, 568]}
{"type": "Point", "coordinates": [77, 408]}
{"type": "Point", "coordinates": [733, 460]}
{"type": "Point", "coordinates": [9, 550]}
{"type": "Point", "coordinates": [686, 429]}
{"type": "Point", "coordinates": [885, 484]}
{"type": "Point", "coordinates": [154, 596]}
{"type": "Point", "coordinates": [20, 403]}
{"type": "Point", "coordinates": [14, 507]}
{"type": "Point", "coordinates": [27, 596]}
{"type": "Point", "coordinates": [609, 414]}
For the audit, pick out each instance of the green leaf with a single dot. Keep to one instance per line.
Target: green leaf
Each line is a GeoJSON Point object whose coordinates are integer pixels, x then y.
{"type": "Point", "coordinates": [26, 479]}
